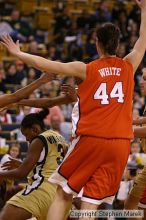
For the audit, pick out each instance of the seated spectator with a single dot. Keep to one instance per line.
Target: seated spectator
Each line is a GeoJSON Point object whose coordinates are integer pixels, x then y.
{"type": "Point", "coordinates": [5, 118]}
{"type": "Point", "coordinates": [53, 53]}
{"type": "Point", "coordinates": [75, 52]}
{"type": "Point", "coordinates": [103, 14]}
{"type": "Point", "coordinates": [31, 75]}
{"type": "Point", "coordinates": [121, 50]}
{"type": "Point", "coordinates": [20, 71]}
{"type": "Point", "coordinates": [13, 152]}
{"type": "Point", "coordinates": [136, 157]}
{"type": "Point", "coordinates": [24, 111]}
{"type": "Point", "coordinates": [62, 21]}
{"type": "Point", "coordinates": [54, 112]}
{"type": "Point", "coordinates": [5, 27]}
{"type": "Point", "coordinates": [19, 25]}
{"type": "Point", "coordinates": [55, 123]}
{"type": "Point", "coordinates": [11, 75]}
{"type": "Point", "coordinates": [46, 89]}
{"type": "Point", "coordinates": [33, 48]}
{"type": "Point", "coordinates": [55, 88]}
{"type": "Point", "coordinates": [64, 128]}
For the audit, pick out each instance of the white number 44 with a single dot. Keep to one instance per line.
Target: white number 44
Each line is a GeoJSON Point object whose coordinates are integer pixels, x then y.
{"type": "Point", "coordinates": [117, 92]}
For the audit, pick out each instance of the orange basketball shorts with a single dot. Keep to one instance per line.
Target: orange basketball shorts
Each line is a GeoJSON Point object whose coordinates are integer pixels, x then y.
{"type": "Point", "coordinates": [94, 164]}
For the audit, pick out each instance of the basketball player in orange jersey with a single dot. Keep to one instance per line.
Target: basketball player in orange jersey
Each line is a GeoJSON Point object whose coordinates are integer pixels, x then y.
{"type": "Point", "coordinates": [102, 119]}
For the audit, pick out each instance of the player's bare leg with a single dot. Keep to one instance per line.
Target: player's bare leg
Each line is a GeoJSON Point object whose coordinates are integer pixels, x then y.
{"type": "Point", "coordinates": [131, 202]}
{"type": "Point", "coordinates": [88, 206]}
{"type": "Point", "coordinates": [14, 213]}
{"type": "Point", "coordinates": [61, 205]}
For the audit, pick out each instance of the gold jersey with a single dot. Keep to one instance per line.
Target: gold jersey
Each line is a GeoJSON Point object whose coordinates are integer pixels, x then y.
{"type": "Point", "coordinates": [51, 156]}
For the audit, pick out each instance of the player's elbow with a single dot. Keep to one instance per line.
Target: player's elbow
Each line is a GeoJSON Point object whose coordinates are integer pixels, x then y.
{"type": "Point", "coordinates": [21, 173]}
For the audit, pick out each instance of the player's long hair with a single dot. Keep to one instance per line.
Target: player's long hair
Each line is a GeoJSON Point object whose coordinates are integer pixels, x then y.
{"type": "Point", "coordinates": [108, 36]}
{"type": "Point", "coordinates": [35, 118]}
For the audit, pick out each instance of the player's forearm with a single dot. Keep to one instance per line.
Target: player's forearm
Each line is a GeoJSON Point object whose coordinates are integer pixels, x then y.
{"type": "Point", "coordinates": [45, 102]}
{"type": "Point", "coordinates": [75, 68]}
{"type": "Point", "coordinates": [13, 174]}
{"type": "Point", "coordinates": [140, 45]}
{"type": "Point", "coordinates": [26, 91]}
{"type": "Point", "coordinates": [140, 132]}
{"type": "Point", "coordinates": [40, 63]}
{"type": "Point", "coordinates": [32, 60]}
{"type": "Point", "coordinates": [143, 24]}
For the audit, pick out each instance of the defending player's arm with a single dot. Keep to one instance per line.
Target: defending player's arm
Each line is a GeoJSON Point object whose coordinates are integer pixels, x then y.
{"type": "Point", "coordinates": [27, 165]}
{"type": "Point", "coordinates": [24, 92]}
{"type": "Point", "coordinates": [69, 96]}
{"type": "Point", "coordinates": [69, 69]}
{"type": "Point", "coordinates": [140, 132]}
{"type": "Point", "coordinates": [135, 57]}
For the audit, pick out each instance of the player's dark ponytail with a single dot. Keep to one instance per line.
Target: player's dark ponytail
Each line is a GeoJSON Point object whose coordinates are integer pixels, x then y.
{"type": "Point", "coordinates": [35, 118]}
{"type": "Point", "coordinates": [42, 114]}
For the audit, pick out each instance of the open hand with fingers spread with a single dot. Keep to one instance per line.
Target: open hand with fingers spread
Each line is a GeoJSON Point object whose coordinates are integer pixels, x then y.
{"type": "Point", "coordinates": [13, 48]}
{"type": "Point", "coordinates": [141, 4]}
{"type": "Point", "coordinates": [69, 92]}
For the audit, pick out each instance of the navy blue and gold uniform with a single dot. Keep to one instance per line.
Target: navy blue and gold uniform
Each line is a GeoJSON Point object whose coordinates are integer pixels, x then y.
{"type": "Point", "coordinates": [39, 193]}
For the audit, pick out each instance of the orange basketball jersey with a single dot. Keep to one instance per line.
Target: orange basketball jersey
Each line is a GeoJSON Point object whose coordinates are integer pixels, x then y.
{"type": "Point", "coordinates": [104, 107]}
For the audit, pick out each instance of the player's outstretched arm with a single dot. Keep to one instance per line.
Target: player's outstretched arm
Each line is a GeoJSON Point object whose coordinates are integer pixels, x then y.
{"type": "Point", "coordinates": [69, 69]}
{"type": "Point", "coordinates": [135, 57]}
{"type": "Point", "coordinates": [68, 96]}
{"type": "Point", "coordinates": [24, 92]}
